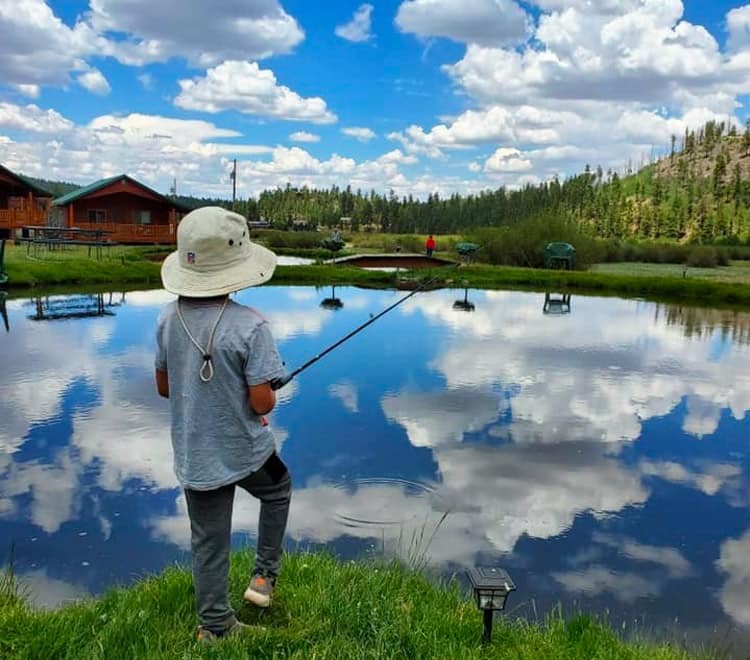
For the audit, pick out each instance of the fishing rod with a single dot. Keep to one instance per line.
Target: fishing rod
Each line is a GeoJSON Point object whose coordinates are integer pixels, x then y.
{"type": "Point", "coordinates": [278, 383]}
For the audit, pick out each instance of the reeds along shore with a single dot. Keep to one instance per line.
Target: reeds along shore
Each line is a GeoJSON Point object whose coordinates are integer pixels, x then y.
{"type": "Point", "coordinates": [324, 608]}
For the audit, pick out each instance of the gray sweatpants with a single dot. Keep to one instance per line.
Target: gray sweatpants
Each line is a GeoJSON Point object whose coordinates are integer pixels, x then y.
{"type": "Point", "coordinates": [210, 514]}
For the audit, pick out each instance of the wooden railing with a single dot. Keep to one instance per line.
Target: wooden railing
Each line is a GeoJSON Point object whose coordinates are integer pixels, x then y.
{"type": "Point", "coordinates": [16, 218]}
{"type": "Point", "coordinates": [132, 233]}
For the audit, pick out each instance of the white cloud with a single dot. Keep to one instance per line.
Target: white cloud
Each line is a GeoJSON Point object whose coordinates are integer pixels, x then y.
{"type": "Point", "coordinates": [709, 481]}
{"type": "Point", "coordinates": [37, 48]}
{"type": "Point", "coordinates": [607, 400]}
{"type": "Point", "coordinates": [596, 580]}
{"type": "Point", "coordinates": [734, 560]}
{"type": "Point", "coordinates": [675, 563]}
{"type": "Point", "coordinates": [304, 136]}
{"type": "Point", "coordinates": [345, 392]}
{"type": "Point", "coordinates": [507, 160]}
{"type": "Point", "coordinates": [32, 91]}
{"type": "Point", "coordinates": [147, 81]}
{"type": "Point", "coordinates": [738, 24]}
{"type": "Point", "coordinates": [204, 33]}
{"type": "Point", "coordinates": [358, 29]}
{"type": "Point", "coordinates": [491, 125]}
{"type": "Point", "coordinates": [94, 81]}
{"type": "Point", "coordinates": [32, 118]}
{"type": "Point", "coordinates": [360, 133]}
{"type": "Point", "coordinates": [487, 22]}
{"type": "Point", "coordinates": [244, 86]}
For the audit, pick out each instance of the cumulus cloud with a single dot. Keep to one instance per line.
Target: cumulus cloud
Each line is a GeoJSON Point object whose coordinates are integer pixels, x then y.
{"type": "Point", "coordinates": [149, 147]}
{"type": "Point", "coordinates": [205, 33]}
{"type": "Point", "coordinates": [359, 28]}
{"type": "Point", "coordinates": [734, 561]}
{"type": "Point", "coordinates": [37, 48]}
{"type": "Point", "coordinates": [345, 392]}
{"type": "Point", "coordinates": [32, 91]}
{"type": "Point", "coordinates": [486, 22]}
{"type": "Point", "coordinates": [33, 119]}
{"type": "Point", "coordinates": [147, 81]}
{"type": "Point", "coordinates": [304, 136]}
{"type": "Point", "coordinates": [507, 160]}
{"type": "Point", "coordinates": [244, 86]}
{"type": "Point", "coordinates": [589, 393]}
{"type": "Point", "coordinates": [359, 133]}
{"type": "Point", "coordinates": [155, 149]}
{"type": "Point", "coordinates": [94, 81]}
{"type": "Point", "coordinates": [738, 25]}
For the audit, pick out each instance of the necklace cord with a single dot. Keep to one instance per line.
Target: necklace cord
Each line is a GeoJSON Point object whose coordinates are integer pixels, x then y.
{"type": "Point", "coordinates": [206, 372]}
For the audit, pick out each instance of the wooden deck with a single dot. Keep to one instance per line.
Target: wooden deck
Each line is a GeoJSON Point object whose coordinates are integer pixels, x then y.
{"type": "Point", "coordinates": [128, 233]}
{"type": "Point", "coordinates": [11, 219]}
{"type": "Point", "coordinates": [392, 260]}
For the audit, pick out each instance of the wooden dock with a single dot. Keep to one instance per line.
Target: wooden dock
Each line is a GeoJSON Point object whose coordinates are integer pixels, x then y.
{"type": "Point", "coordinates": [391, 260]}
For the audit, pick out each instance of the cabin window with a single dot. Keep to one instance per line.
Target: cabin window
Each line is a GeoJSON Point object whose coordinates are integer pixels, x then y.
{"type": "Point", "coordinates": [97, 215]}
{"type": "Point", "coordinates": [144, 217]}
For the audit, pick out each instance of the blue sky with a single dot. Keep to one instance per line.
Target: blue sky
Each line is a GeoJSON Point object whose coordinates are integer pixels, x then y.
{"type": "Point", "coordinates": [416, 96]}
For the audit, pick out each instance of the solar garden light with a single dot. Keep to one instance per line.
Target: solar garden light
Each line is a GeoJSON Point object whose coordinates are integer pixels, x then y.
{"type": "Point", "coordinates": [491, 588]}
{"type": "Point", "coordinates": [464, 305]}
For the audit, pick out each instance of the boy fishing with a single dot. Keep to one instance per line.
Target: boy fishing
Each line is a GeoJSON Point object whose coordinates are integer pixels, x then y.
{"type": "Point", "coordinates": [215, 362]}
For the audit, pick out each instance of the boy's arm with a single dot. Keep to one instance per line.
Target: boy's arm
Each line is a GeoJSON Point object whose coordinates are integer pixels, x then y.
{"type": "Point", "coordinates": [263, 366]}
{"type": "Point", "coordinates": [162, 383]}
{"type": "Point", "coordinates": [261, 398]}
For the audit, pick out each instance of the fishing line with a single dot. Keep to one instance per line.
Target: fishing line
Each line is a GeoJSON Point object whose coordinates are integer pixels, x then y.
{"type": "Point", "coordinates": [278, 383]}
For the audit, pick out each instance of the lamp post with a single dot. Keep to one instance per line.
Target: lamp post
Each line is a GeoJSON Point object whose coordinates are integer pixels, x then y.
{"type": "Point", "coordinates": [491, 588]}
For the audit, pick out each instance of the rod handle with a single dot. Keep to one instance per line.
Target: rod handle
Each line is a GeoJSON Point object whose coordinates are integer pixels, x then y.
{"type": "Point", "coordinates": [278, 383]}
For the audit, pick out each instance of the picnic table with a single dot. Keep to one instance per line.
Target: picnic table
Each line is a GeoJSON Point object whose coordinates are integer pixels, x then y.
{"type": "Point", "coordinates": [51, 237]}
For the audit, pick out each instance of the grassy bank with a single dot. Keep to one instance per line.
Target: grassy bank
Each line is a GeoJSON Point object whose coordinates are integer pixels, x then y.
{"type": "Point", "coordinates": [323, 609]}
{"type": "Point", "coordinates": [73, 266]}
{"type": "Point", "coordinates": [127, 267]}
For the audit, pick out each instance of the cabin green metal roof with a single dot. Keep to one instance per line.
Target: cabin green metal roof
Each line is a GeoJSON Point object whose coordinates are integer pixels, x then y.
{"type": "Point", "coordinates": [103, 183]}
{"type": "Point", "coordinates": [35, 187]}
{"type": "Point", "coordinates": [82, 192]}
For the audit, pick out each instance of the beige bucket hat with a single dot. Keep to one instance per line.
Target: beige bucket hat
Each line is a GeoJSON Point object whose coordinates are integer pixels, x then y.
{"type": "Point", "coordinates": [215, 256]}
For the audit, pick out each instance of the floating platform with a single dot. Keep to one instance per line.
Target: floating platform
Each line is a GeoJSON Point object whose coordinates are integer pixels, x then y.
{"type": "Point", "coordinates": [391, 260]}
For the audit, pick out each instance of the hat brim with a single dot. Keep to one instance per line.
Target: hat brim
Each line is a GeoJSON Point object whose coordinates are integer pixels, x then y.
{"type": "Point", "coordinates": [256, 269]}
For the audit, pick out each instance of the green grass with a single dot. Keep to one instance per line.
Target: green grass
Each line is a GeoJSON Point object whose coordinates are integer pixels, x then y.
{"type": "Point", "coordinates": [323, 609]}
{"type": "Point", "coordinates": [738, 272]}
{"type": "Point", "coordinates": [73, 266]}
{"type": "Point", "coordinates": [126, 267]}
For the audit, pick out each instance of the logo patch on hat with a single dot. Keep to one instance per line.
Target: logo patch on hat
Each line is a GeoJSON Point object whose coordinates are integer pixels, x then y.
{"type": "Point", "coordinates": [191, 257]}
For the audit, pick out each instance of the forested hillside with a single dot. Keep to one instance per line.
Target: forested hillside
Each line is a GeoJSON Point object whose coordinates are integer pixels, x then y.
{"type": "Point", "coordinates": [700, 193]}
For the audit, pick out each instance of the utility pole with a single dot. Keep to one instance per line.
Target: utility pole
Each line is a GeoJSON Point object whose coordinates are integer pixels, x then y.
{"type": "Point", "coordinates": [234, 183]}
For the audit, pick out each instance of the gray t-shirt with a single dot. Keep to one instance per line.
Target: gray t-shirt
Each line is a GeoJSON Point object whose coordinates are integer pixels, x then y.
{"type": "Point", "coordinates": [216, 437]}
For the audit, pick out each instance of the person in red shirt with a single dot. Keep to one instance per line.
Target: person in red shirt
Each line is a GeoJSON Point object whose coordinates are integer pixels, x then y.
{"type": "Point", "coordinates": [430, 245]}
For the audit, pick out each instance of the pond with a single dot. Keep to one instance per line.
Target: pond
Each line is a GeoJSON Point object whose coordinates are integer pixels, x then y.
{"type": "Point", "coordinates": [596, 448]}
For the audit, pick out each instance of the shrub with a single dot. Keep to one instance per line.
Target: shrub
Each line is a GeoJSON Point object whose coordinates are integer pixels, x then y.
{"type": "Point", "coordinates": [523, 244]}
{"type": "Point", "coordinates": [274, 238]}
{"type": "Point", "coordinates": [702, 256]}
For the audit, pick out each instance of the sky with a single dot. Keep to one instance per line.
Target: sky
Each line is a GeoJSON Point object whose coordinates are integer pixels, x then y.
{"type": "Point", "coordinates": [415, 97]}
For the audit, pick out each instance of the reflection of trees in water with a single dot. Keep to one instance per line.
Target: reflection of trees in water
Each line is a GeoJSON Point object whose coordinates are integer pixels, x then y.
{"type": "Point", "coordinates": [700, 322]}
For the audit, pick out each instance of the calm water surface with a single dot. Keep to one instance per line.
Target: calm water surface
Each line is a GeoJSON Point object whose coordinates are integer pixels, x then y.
{"type": "Point", "coordinates": [601, 455]}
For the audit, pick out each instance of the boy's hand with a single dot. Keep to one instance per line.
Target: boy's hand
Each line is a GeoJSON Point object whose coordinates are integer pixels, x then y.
{"type": "Point", "coordinates": [261, 398]}
{"type": "Point", "coordinates": [162, 383]}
